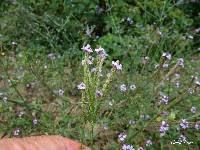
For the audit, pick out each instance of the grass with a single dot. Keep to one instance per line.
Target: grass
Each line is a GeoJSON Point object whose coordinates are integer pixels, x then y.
{"type": "Point", "coordinates": [32, 88]}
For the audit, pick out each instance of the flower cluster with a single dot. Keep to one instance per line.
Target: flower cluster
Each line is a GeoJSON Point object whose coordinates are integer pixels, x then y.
{"type": "Point", "coordinates": [148, 143]}
{"type": "Point", "coordinates": [35, 121]}
{"type": "Point", "coordinates": [184, 124]}
{"type": "Point", "coordinates": [181, 62]}
{"type": "Point", "coordinates": [123, 87]}
{"type": "Point", "coordinates": [163, 128]}
{"type": "Point", "coordinates": [102, 53]}
{"type": "Point", "coordinates": [164, 99]}
{"type": "Point", "coordinates": [122, 136]}
{"type": "Point", "coordinates": [16, 131]}
{"type": "Point", "coordinates": [99, 93]}
{"type": "Point", "coordinates": [90, 59]}
{"type": "Point", "coordinates": [182, 138]}
{"type": "Point", "coordinates": [117, 65]}
{"type": "Point", "coordinates": [197, 125]}
{"type": "Point", "coordinates": [167, 55]}
{"type": "Point", "coordinates": [127, 147]}
{"type": "Point", "coordinates": [193, 109]}
{"type": "Point", "coordinates": [87, 48]}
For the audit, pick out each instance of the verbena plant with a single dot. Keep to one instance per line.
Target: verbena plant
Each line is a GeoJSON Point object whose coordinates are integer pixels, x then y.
{"type": "Point", "coordinates": [151, 109]}
{"type": "Point", "coordinates": [93, 90]}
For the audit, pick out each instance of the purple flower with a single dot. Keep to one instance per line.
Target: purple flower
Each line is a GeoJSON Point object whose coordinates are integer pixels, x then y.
{"type": "Point", "coordinates": [127, 147]}
{"type": "Point", "coordinates": [184, 124]}
{"type": "Point", "coordinates": [197, 30]}
{"type": "Point", "coordinates": [35, 121]}
{"type": "Point", "coordinates": [90, 59]}
{"type": "Point", "coordinates": [122, 136]}
{"type": "Point", "coordinates": [81, 86]}
{"type": "Point", "coordinates": [193, 109]}
{"type": "Point", "coordinates": [87, 48]}
{"type": "Point", "coordinates": [117, 65]}
{"type": "Point", "coordinates": [16, 131]}
{"type": "Point", "coordinates": [181, 62]}
{"type": "Point", "coordinates": [99, 93]}
{"type": "Point", "coordinates": [165, 65]}
{"type": "Point", "coordinates": [197, 125]}
{"type": "Point", "coordinates": [164, 113]}
{"type": "Point", "coordinates": [177, 75]}
{"type": "Point", "coordinates": [123, 88]}
{"type": "Point", "coordinates": [164, 99]}
{"type": "Point", "coordinates": [148, 143]}
{"type": "Point", "coordinates": [163, 128]}
{"type": "Point", "coordinates": [101, 52]}
{"type": "Point", "coordinates": [167, 55]}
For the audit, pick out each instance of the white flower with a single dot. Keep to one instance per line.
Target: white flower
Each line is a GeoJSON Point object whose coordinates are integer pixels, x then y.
{"type": "Point", "coordinates": [197, 83]}
{"type": "Point", "coordinates": [190, 37]}
{"type": "Point", "coordinates": [177, 84]}
{"type": "Point", "coordinates": [132, 87]}
{"type": "Point", "coordinates": [131, 122]}
{"type": "Point", "coordinates": [191, 91]}
{"type": "Point", "coordinates": [60, 92]}
{"type": "Point", "coordinates": [156, 66]}
{"type": "Point", "coordinates": [14, 43]}
{"type": "Point", "coordinates": [93, 70]}
{"type": "Point", "coordinates": [5, 99]}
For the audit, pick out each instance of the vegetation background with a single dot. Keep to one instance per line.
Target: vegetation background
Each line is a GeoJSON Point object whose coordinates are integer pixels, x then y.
{"type": "Point", "coordinates": [40, 67]}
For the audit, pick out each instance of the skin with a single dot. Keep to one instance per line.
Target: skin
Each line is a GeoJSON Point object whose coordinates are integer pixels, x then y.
{"type": "Point", "coordinates": [40, 143]}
